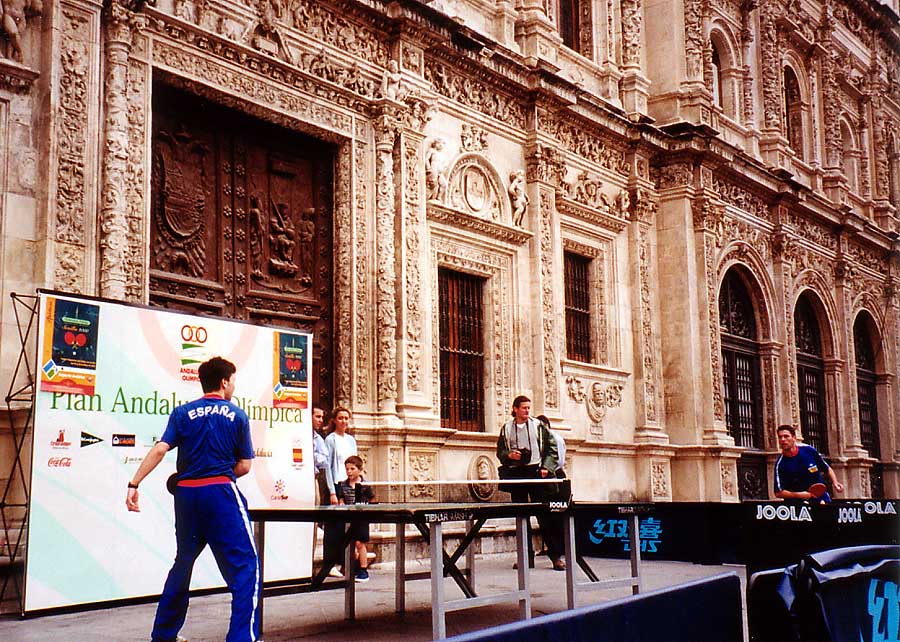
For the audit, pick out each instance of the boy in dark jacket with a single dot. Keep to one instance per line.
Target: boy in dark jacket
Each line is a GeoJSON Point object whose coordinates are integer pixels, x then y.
{"type": "Point", "coordinates": [353, 491]}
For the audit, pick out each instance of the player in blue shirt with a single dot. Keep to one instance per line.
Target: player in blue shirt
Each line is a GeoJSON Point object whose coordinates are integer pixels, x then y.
{"type": "Point", "coordinates": [214, 448]}
{"type": "Point", "coordinates": [799, 467]}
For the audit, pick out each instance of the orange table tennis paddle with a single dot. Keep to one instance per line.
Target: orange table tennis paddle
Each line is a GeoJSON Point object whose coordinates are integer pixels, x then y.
{"type": "Point", "coordinates": [817, 490]}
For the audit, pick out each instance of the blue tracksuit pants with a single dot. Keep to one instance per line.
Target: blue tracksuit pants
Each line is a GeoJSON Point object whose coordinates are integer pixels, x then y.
{"type": "Point", "coordinates": [215, 515]}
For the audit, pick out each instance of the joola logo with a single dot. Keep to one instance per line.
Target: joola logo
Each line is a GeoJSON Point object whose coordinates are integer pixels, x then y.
{"type": "Point", "coordinates": [558, 507]}
{"type": "Point", "coordinates": [784, 513]}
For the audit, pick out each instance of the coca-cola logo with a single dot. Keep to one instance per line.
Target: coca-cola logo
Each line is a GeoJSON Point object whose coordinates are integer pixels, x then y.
{"type": "Point", "coordinates": [59, 462]}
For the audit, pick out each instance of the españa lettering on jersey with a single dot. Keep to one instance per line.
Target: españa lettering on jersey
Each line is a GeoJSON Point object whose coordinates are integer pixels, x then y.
{"type": "Point", "coordinates": [202, 411]}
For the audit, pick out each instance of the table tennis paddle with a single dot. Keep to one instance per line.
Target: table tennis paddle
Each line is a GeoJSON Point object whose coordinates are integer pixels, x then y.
{"type": "Point", "coordinates": [817, 490]}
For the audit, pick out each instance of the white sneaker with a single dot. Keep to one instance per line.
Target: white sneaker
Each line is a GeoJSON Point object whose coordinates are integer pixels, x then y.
{"type": "Point", "coordinates": [335, 572]}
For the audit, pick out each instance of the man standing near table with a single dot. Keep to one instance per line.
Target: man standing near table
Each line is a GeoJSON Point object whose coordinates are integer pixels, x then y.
{"type": "Point", "coordinates": [799, 468]}
{"type": "Point", "coordinates": [527, 450]}
{"type": "Point", "coordinates": [320, 457]}
{"type": "Point", "coordinates": [214, 448]}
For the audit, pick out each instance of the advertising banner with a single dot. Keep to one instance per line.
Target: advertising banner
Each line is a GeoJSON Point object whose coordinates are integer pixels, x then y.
{"type": "Point", "coordinates": [110, 375]}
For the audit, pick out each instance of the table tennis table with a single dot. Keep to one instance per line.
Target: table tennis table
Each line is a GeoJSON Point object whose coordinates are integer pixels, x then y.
{"type": "Point", "coordinates": [429, 520]}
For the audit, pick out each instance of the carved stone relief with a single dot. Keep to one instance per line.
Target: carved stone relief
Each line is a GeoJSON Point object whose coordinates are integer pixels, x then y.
{"type": "Point", "coordinates": [475, 188]}
{"type": "Point", "coordinates": [475, 94]}
{"type": "Point", "coordinates": [632, 28]}
{"type": "Point", "coordinates": [422, 467]}
{"type": "Point", "coordinates": [72, 118]}
{"type": "Point", "coordinates": [729, 484]}
{"type": "Point", "coordinates": [16, 14]}
{"type": "Point", "coordinates": [482, 467]}
{"type": "Point", "coordinates": [659, 480]}
{"type": "Point", "coordinates": [597, 398]}
{"type": "Point", "coordinates": [473, 138]}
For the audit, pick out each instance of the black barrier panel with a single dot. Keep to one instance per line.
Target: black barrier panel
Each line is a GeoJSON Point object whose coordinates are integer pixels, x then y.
{"type": "Point", "coordinates": [707, 610]}
{"type": "Point", "coordinates": [760, 534]}
{"type": "Point", "coordinates": [705, 533]}
{"type": "Point", "coordinates": [777, 534]}
{"type": "Point", "coordinates": [840, 595]}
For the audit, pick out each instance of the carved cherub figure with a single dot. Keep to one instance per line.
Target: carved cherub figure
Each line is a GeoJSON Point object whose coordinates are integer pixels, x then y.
{"type": "Point", "coordinates": [436, 171]}
{"type": "Point", "coordinates": [14, 14]}
{"type": "Point", "coordinates": [518, 198]}
{"type": "Point", "coordinates": [391, 87]}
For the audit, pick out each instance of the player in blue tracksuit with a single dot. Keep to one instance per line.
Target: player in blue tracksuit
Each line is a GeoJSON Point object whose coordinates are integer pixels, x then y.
{"type": "Point", "coordinates": [214, 448]}
{"type": "Point", "coordinates": [799, 467]}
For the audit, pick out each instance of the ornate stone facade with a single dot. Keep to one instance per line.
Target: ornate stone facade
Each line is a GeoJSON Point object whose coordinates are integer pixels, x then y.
{"type": "Point", "coordinates": [665, 168]}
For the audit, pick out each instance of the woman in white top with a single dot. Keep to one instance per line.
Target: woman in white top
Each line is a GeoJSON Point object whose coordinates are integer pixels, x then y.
{"type": "Point", "coordinates": [339, 444]}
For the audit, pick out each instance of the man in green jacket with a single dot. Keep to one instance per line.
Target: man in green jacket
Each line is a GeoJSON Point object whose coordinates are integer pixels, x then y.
{"type": "Point", "coordinates": [527, 450]}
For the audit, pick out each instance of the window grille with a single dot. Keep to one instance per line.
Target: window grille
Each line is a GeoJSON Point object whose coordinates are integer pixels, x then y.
{"type": "Point", "coordinates": [810, 376]}
{"type": "Point", "coordinates": [461, 350]}
{"type": "Point", "coordinates": [740, 363]}
{"type": "Point", "coordinates": [578, 313]}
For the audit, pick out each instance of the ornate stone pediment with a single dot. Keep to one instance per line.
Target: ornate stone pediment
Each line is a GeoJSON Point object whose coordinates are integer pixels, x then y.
{"type": "Point", "coordinates": [16, 77]}
{"type": "Point", "coordinates": [498, 231]}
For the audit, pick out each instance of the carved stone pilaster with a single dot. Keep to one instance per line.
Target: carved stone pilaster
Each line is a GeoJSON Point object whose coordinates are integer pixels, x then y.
{"type": "Point", "coordinates": [411, 219]}
{"type": "Point", "coordinates": [831, 126]}
{"type": "Point", "coordinates": [547, 224]}
{"type": "Point", "coordinates": [708, 217]}
{"type": "Point", "coordinates": [771, 67]}
{"type": "Point", "coordinates": [343, 276]}
{"type": "Point", "coordinates": [386, 124]}
{"type": "Point", "coordinates": [120, 24]}
{"type": "Point", "coordinates": [632, 32]}
{"type": "Point", "coordinates": [694, 42]}
{"type": "Point", "coordinates": [75, 125]}
{"type": "Point", "coordinates": [648, 411]}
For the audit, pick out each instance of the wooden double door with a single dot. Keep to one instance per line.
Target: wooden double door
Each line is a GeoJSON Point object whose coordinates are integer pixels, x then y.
{"type": "Point", "coordinates": [241, 222]}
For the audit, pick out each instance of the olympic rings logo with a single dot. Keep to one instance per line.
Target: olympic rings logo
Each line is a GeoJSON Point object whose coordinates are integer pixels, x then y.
{"type": "Point", "coordinates": [196, 333]}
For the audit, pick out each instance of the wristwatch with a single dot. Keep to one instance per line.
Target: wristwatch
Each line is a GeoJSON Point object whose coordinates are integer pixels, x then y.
{"type": "Point", "coordinates": [132, 485]}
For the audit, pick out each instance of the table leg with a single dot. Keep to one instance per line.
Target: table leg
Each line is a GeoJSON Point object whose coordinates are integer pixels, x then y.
{"type": "Point", "coordinates": [470, 555]}
{"type": "Point", "coordinates": [349, 578]}
{"type": "Point", "coordinates": [634, 535]}
{"type": "Point", "coordinates": [569, 533]}
{"type": "Point", "coordinates": [522, 559]}
{"type": "Point", "coordinates": [259, 532]}
{"type": "Point", "coordinates": [438, 615]}
{"type": "Point", "coordinates": [400, 569]}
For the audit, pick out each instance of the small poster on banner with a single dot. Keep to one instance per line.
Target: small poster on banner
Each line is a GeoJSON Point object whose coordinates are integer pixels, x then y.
{"type": "Point", "coordinates": [291, 377]}
{"type": "Point", "coordinates": [69, 350]}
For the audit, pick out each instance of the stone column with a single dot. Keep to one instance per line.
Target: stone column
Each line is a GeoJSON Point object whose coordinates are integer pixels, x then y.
{"type": "Point", "coordinates": [113, 241]}
{"type": "Point", "coordinates": [386, 125]}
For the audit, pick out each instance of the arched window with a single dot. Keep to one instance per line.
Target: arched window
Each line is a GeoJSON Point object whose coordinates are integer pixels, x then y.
{"type": "Point", "coordinates": [810, 375]}
{"type": "Point", "coordinates": [740, 363]}
{"type": "Point", "coordinates": [866, 396]}
{"type": "Point", "coordinates": [716, 76]}
{"type": "Point", "coordinates": [793, 111]}
{"type": "Point", "coordinates": [865, 385]}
